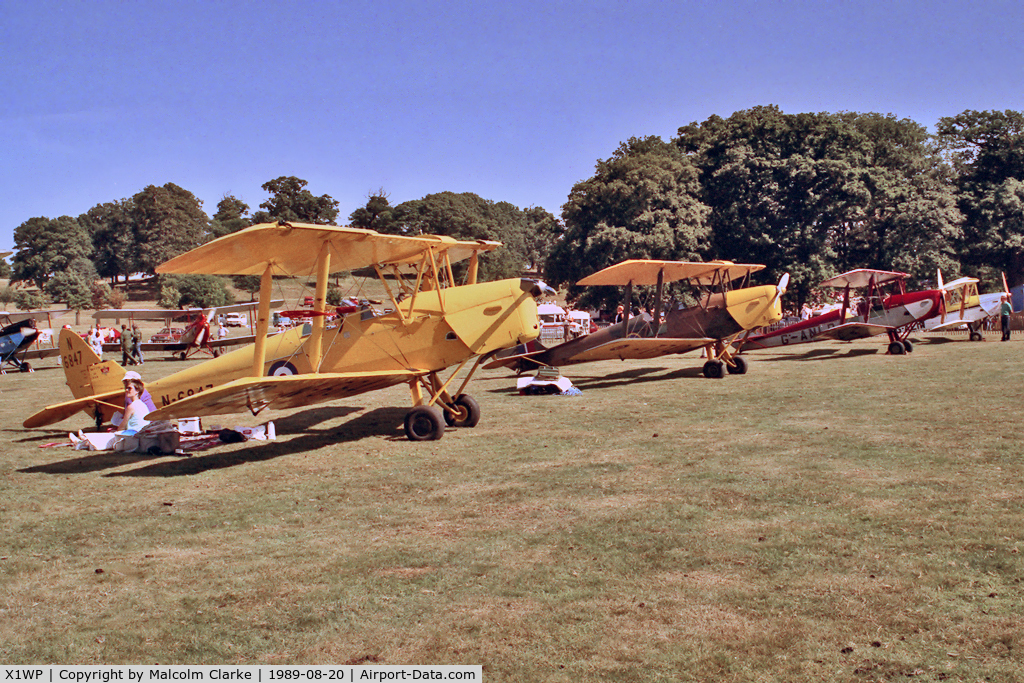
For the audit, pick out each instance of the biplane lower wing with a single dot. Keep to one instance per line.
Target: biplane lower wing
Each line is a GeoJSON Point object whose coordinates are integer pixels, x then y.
{"type": "Point", "coordinates": [253, 394]}
{"type": "Point", "coordinates": [108, 403]}
{"type": "Point", "coordinates": [641, 348]}
{"type": "Point", "coordinates": [852, 331]}
{"type": "Point", "coordinates": [38, 354]}
{"type": "Point", "coordinates": [950, 325]}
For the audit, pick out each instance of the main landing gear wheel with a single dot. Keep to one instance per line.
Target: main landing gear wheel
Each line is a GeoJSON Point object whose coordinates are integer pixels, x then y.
{"type": "Point", "coordinates": [424, 423]}
{"type": "Point", "coordinates": [468, 415]}
{"type": "Point", "coordinates": [896, 348]}
{"type": "Point", "coordinates": [739, 367]}
{"type": "Point", "coordinates": [976, 336]}
{"type": "Point", "coordinates": [908, 347]}
{"type": "Point", "coordinates": [24, 367]}
{"type": "Point", "coordinates": [714, 369]}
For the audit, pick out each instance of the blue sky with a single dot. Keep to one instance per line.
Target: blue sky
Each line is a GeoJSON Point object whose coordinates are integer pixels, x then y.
{"type": "Point", "coordinates": [514, 101]}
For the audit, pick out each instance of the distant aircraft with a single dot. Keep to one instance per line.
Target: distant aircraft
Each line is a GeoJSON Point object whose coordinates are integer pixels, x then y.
{"type": "Point", "coordinates": [17, 335]}
{"type": "Point", "coordinates": [197, 335]}
{"type": "Point", "coordinates": [964, 307]}
{"type": "Point", "coordinates": [715, 324]}
{"type": "Point", "coordinates": [876, 312]}
{"type": "Point", "coordinates": [435, 325]}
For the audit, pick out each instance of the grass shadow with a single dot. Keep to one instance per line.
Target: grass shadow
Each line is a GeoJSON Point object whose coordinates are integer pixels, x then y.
{"type": "Point", "coordinates": [380, 422]}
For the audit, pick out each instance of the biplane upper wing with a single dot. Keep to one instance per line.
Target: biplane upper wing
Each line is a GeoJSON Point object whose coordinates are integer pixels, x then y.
{"type": "Point", "coordinates": [852, 330]}
{"type": "Point", "coordinates": [640, 348]}
{"type": "Point", "coordinates": [109, 402]}
{"type": "Point", "coordinates": [645, 272]}
{"type": "Point", "coordinates": [863, 277]}
{"type": "Point", "coordinates": [167, 314]}
{"type": "Point", "coordinates": [181, 346]}
{"type": "Point", "coordinates": [293, 248]}
{"type": "Point", "coordinates": [9, 318]}
{"type": "Point", "coordinates": [252, 394]}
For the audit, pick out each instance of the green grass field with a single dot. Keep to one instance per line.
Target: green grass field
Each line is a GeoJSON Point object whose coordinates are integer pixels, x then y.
{"type": "Point", "coordinates": [836, 515]}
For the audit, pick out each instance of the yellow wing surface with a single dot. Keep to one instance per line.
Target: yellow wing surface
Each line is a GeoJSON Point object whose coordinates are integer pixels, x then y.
{"type": "Point", "coordinates": [253, 394]}
{"type": "Point", "coordinates": [645, 272]}
{"type": "Point", "coordinates": [633, 349]}
{"type": "Point", "coordinates": [293, 249]}
{"type": "Point", "coordinates": [108, 403]}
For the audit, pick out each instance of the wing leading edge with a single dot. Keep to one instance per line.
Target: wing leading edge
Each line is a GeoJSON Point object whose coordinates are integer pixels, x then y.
{"type": "Point", "coordinates": [253, 394]}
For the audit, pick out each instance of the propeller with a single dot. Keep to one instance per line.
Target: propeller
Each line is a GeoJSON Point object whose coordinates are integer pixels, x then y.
{"type": "Point", "coordinates": [780, 288]}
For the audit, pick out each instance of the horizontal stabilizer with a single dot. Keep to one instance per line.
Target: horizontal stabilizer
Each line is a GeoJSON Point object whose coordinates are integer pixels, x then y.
{"type": "Point", "coordinates": [108, 403]}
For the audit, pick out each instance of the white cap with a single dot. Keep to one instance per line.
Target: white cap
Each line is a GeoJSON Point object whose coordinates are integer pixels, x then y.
{"type": "Point", "coordinates": [131, 374]}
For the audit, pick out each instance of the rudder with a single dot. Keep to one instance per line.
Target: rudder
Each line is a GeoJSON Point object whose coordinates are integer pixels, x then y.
{"type": "Point", "coordinates": [86, 373]}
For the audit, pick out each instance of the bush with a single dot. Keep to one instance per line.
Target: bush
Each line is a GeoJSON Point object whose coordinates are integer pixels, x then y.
{"type": "Point", "coordinates": [71, 288]}
{"type": "Point", "coordinates": [117, 299]}
{"type": "Point", "coordinates": [100, 292]}
{"type": "Point", "coordinates": [8, 295]}
{"type": "Point", "coordinates": [30, 300]}
{"type": "Point", "coordinates": [169, 297]}
{"type": "Point", "coordinates": [201, 291]}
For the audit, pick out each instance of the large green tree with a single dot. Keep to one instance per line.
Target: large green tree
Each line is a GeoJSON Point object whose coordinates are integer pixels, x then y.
{"type": "Point", "coordinates": [232, 215]}
{"type": "Point", "coordinates": [378, 214]}
{"type": "Point", "coordinates": [987, 150]}
{"type": "Point", "coordinates": [168, 221]}
{"type": "Point", "coordinates": [467, 216]}
{"type": "Point", "coordinates": [910, 221]}
{"type": "Point", "coordinates": [814, 194]}
{"type": "Point", "coordinates": [291, 201]}
{"type": "Point", "coordinates": [642, 202]}
{"type": "Point", "coordinates": [47, 246]}
{"type": "Point", "coordinates": [113, 237]}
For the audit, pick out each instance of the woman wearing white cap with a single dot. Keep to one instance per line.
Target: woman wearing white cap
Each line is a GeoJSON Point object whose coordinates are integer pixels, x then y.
{"type": "Point", "coordinates": [136, 411]}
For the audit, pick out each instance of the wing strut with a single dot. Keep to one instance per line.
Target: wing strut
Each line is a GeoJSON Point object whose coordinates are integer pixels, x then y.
{"type": "Point", "coordinates": [259, 352]}
{"type": "Point", "coordinates": [657, 302]}
{"type": "Point", "coordinates": [316, 336]}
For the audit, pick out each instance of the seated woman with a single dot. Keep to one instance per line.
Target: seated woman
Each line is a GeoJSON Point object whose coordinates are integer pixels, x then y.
{"type": "Point", "coordinates": [135, 413]}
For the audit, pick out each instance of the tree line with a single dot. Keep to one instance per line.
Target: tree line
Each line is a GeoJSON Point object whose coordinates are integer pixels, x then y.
{"type": "Point", "coordinates": [811, 194]}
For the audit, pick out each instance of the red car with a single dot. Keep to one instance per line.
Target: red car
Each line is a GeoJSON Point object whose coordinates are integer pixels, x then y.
{"type": "Point", "coordinates": [168, 334]}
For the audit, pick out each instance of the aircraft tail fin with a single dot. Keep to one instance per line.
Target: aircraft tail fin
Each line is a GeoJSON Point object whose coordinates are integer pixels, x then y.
{"type": "Point", "coordinates": [86, 373]}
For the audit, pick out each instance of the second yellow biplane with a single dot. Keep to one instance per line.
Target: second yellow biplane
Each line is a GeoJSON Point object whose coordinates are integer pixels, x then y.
{"type": "Point", "coordinates": [722, 315]}
{"type": "Point", "coordinates": [434, 324]}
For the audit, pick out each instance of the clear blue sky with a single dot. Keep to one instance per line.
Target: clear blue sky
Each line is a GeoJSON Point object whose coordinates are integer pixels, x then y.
{"type": "Point", "coordinates": [514, 101]}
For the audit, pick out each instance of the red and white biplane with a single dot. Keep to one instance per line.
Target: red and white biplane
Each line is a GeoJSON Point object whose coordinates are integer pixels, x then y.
{"type": "Point", "coordinates": [885, 307]}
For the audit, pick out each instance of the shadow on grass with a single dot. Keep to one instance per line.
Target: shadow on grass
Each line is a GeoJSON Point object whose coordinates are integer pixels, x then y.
{"type": "Point", "coordinates": [381, 422]}
{"type": "Point", "coordinates": [821, 354]}
{"type": "Point", "coordinates": [616, 379]}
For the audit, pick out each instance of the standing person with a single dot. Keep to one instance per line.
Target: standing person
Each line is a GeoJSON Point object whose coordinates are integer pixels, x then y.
{"type": "Point", "coordinates": [126, 347]}
{"type": "Point", "coordinates": [619, 315]}
{"type": "Point", "coordinates": [96, 341]}
{"type": "Point", "coordinates": [137, 344]}
{"type": "Point", "coordinates": [1005, 309]}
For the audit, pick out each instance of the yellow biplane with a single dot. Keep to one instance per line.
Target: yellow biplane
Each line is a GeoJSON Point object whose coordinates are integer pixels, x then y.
{"type": "Point", "coordinates": [722, 316]}
{"type": "Point", "coordinates": [434, 324]}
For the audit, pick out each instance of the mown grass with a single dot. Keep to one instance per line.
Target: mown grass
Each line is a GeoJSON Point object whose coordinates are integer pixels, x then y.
{"type": "Point", "coordinates": [836, 514]}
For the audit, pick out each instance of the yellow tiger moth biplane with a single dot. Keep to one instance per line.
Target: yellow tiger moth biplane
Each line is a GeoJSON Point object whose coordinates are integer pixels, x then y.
{"type": "Point", "coordinates": [716, 324]}
{"type": "Point", "coordinates": [434, 324]}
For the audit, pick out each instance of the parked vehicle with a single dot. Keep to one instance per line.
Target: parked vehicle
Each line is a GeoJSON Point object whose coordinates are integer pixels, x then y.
{"type": "Point", "coordinates": [236, 320]}
{"type": "Point", "coordinates": [167, 334]}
